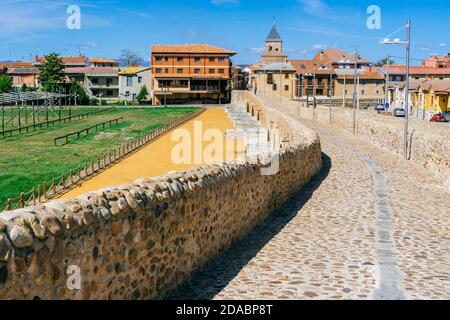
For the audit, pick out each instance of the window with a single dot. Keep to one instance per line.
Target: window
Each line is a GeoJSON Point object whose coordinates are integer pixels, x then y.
{"type": "Point", "coordinates": [212, 71]}
{"type": "Point", "coordinates": [378, 91]}
{"type": "Point", "coordinates": [222, 59]}
{"type": "Point", "coordinates": [363, 92]}
{"type": "Point", "coordinates": [166, 58]}
{"type": "Point", "coordinates": [158, 70]}
{"type": "Point", "coordinates": [139, 79]}
{"type": "Point", "coordinates": [197, 59]}
{"type": "Point", "coordinates": [212, 59]}
{"type": "Point", "coordinates": [129, 81]}
{"type": "Point", "coordinates": [197, 71]}
{"type": "Point", "coordinates": [274, 87]}
{"type": "Point", "coordinates": [346, 92]}
{"type": "Point", "coordinates": [398, 78]}
{"type": "Point", "coordinates": [286, 76]}
{"type": "Point", "coordinates": [109, 93]}
{"type": "Point", "coordinates": [221, 71]}
{"type": "Point", "coordinates": [95, 80]}
{"type": "Point", "coordinates": [180, 71]}
{"type": "Point", "coordinates": [286, 87]}
{"type": "Point", "coordinates": [180, 59]}
{"type": "Point", "coordinates": [158, 59]}
{"type": "Point", "coordinates": [166, 70]}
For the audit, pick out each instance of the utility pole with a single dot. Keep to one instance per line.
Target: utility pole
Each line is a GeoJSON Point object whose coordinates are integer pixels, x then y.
{"type": "Point", "coordinates": [355, 93]}
{"type": "Point", "coordinates": [408, 50]}
{"type": "Point", "coordinates": [298, 94]}
{"type": "Point", "coordinates": [344, 94]}
{"type": "Point", "coordinates": [386, 102]}
{"type": "Point", "coordinates": [331, 89]}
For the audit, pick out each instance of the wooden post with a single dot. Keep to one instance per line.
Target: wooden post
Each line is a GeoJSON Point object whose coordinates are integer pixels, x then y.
{"type": "Point", "coordinates": [53, 187]}
{"type": "Point", "coordinates": [9, 204]}
{"type": "Point", "coordinates": [22, 200]}
{"type": "Point", "coordinates": [39, 193]}
{"type": "Point", "coordinates": [92, 166]}
{"type": "Point", "coordinates": [34, 195]}
{"type": "Point", "coordinates": [71, 177]}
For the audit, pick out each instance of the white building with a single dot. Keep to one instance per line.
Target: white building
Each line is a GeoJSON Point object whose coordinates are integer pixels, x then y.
{"type": "Point", "coordinates": [131, 80]}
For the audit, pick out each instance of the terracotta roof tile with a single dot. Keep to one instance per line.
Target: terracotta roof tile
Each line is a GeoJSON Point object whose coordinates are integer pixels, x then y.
{"type": "Point", "coordinates": [102, 60]}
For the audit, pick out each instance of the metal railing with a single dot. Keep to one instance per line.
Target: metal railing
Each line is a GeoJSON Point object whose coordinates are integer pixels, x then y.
{"type": "Point", "coordinates": [48, 190]}
{"type": "Point", "coordinates": [87, 130]}
{"type": "Point", "coordinates": [40, 125]}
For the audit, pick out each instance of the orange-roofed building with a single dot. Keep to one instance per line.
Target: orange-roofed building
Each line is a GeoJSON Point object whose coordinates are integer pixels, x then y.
{"type": "Point", "coordinates": [103, 62]}
{"type": "Point", "coordinates": [437, 62]}
{"type": "Point", "coordinates": [195, 73]}
{"type": "Point", "coordinates": [69, 62]}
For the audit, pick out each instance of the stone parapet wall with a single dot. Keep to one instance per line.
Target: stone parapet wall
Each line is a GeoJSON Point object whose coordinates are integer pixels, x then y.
{"type": "Point", "coordinates": [141, 240]}
{"type": "Point", "coordinates": [429, 142]}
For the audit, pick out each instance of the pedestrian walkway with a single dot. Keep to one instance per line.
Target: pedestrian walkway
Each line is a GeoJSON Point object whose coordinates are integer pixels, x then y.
{"type": "Point", "coordinates": [369, 226]}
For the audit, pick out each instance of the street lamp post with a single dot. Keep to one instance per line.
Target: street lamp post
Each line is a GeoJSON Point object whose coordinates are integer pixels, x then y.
{"type": "Point", "coordinates": [407, 44]}
{"type": "Point", "coordinates": [298, 95]}
{"type": "Point", "coordinates": [331, 90]}
{"type": "Point", "coordinates": [387, 102]}
{"type": "Point", "coordinates": [355, 93]}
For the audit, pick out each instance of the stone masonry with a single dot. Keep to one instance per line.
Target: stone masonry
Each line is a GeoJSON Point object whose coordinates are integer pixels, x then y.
{"type": "Point", "coordinates": [141, 240]}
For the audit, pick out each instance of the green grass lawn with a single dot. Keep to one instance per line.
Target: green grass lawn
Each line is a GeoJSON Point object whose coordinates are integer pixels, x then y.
{"type": "Point", "coordinates": [28, 160]}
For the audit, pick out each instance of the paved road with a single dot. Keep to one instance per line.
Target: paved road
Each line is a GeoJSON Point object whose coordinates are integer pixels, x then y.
{"type": "Point", "coordinates": [370, 226]}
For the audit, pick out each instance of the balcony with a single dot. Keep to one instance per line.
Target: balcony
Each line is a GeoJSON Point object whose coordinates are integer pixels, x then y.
{"type": "Point", "coordinates": [205, 88]}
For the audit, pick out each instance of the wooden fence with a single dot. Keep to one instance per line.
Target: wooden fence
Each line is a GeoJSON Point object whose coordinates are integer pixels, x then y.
{"type": "Point", "coordinates": [26, 129]}
{"type": "Point", "coordinates": [87, 130]}
{"type": "Point", "coordinates": [48, 190]}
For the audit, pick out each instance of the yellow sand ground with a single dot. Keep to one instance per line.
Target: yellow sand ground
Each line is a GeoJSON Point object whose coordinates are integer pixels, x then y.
{"type": "Point", "coordinates": [156, 158]}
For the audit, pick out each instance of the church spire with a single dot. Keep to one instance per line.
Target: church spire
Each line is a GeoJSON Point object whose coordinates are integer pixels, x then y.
{"type": "Point", "coordinates": [274, 35]}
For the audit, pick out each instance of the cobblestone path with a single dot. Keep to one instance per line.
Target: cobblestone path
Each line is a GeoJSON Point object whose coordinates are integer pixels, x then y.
{"type": "Point", "coordinates": [370, 226]}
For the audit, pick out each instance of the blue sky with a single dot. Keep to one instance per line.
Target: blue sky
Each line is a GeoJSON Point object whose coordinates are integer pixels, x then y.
{"type": "Point", "coordinates": [28, 27]}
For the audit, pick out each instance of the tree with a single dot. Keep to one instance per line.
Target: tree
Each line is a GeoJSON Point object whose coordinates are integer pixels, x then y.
{"type": "Point", "coordinates": [5, 83]}
{"type": "Point", "coordinates": [24, 88]}
{"type": "Point", "coordinates": [77, 90]}
{"type": "Point", "coordinates": [51, 72]}
{"type": "Point", "coordinates": [384, 62]}
{"type": "Point", "coordinates": [128, 57]}
{"type": "Point", "coordinates": [142, 96]}
{"type": "Point", "coordinates": [3, 70]}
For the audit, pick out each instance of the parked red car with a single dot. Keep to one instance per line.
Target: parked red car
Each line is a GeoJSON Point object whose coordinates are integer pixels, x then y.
{"type": "Point", "coordinates": [438, 118]}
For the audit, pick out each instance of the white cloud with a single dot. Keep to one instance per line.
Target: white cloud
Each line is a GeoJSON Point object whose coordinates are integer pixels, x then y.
{"type": "Point", "coordinates": [319, 46]}
{"type": "Point", "coordinates": [313, 6]}
{"type": "Point", "coordinates": [233, 3]}
{"type": "Point", "coordinates": [258, 50]}
{"type": "Point", "coordinates": [443, 44]}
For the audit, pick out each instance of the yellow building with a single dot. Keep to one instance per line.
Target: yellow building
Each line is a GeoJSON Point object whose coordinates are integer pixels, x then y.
{"type": "Point", "coordinates": [434, 95]}
{"type": "Point", "coordinates": [275, 79]}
